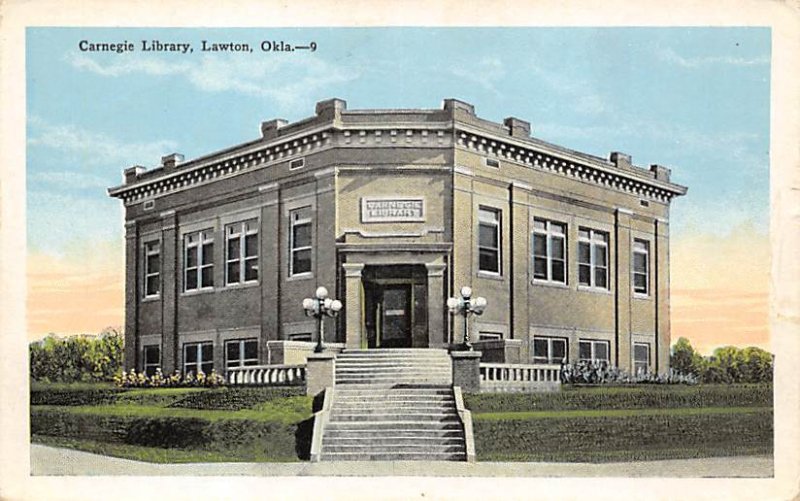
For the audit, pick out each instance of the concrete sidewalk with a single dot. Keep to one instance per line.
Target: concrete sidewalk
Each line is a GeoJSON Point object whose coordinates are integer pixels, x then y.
{"type": "Point", "coordinates": [56, 461]}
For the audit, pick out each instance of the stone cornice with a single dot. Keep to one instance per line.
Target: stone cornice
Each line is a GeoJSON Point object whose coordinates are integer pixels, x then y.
{"type": "Point", "coordinates": [566, 163]}
{"type": "Point", "coordinates": [211, 168]}
{"type": "Point", "coordinates": [531, 153]}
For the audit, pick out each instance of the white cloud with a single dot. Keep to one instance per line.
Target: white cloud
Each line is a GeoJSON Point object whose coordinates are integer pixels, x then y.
{"type": "Point", "coordinates": [70, 179]}
{"type": "Point", "coordinates": [488, 72]}
{"type": "Point", "coordinates": [579, 93]}
{"type": "Point", "coordinates": [282, 80]}
{"type": "Point", "coordinates": [670, 56]}
{"type": "Point", "coordinates": [94, 148]}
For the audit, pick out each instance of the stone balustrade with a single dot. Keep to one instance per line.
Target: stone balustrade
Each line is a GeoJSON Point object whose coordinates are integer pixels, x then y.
{"type": "Point", "coordinates": [268, 375]}
{"type": "Point", "coordinates": [519, 377]}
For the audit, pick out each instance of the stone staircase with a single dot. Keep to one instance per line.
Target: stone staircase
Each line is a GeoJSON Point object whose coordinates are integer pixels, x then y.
{"type": "Point", "coordinates": [394, 404]}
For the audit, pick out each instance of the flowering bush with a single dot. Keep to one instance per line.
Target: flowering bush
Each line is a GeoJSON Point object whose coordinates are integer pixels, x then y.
{"type": "Point", "coordinates": [601, 372]}
{"type": "Point", "coordinates": [158, 380]}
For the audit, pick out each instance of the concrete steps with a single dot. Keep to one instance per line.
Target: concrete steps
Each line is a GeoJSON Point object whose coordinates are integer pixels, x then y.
{"type": "Point", "coordinates": [393, 405]}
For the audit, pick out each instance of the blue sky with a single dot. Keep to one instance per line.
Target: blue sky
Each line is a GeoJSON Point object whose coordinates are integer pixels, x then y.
{"type": "Point", "coordinates": [694, 99]}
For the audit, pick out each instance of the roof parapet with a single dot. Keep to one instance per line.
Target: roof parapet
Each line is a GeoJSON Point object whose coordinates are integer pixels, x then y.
{"type": "Point", "coordinates": [518, 127]}
{"type": "Point", "coordinates": [331, 109]}
{"type": "Point", "coordinates": [621, 160]}
{"type": "Point", "coordinates": [169, 162]}
{"type": "Point", "coordinates": [131, 174]}
{"type": "Point", "coordinates": [269, 129]}
{"type": "Point", "coordinates": [454, 105]}
{"type": "Point", "coordinates": [661, 173]}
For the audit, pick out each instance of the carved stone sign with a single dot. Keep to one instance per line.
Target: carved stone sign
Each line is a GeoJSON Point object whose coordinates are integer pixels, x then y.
{"type": "Point", "coordinates": [390, 210]}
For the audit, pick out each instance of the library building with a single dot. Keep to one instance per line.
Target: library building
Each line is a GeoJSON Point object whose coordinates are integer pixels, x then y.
{"type": "Point", "coordinates": [394, 211]}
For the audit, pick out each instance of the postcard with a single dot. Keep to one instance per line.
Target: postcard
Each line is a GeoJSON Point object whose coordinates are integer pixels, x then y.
{"type": "Point", "coordinates": [270, 252]}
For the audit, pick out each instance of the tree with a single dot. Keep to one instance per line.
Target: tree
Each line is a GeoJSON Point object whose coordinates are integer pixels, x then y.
{"type": "Point", "coordinates": [684, 359]}
{"type": "Point", "coordinates": [77, 358]}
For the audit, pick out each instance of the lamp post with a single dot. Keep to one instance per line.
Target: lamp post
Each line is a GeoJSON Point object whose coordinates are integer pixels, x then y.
{"type": "Point", "coordinates": [319, 307]}
{"type": "Point", "coordinates": [465, 305]}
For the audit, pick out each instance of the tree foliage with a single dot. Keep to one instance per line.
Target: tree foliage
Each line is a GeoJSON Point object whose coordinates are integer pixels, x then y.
{"type": "Point", "coordinates": [77, 358]}
{"type": "Point", "coordinates": [728, 364]}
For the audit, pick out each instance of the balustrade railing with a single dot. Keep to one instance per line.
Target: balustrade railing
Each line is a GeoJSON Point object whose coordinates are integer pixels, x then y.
{"type": "Point", "coordinates": [268, 375]}
{"type": "Point", "coordinates": [495, 376]}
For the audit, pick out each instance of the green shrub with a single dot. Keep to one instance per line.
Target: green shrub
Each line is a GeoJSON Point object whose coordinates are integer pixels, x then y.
{"type": "Point", "coordinates": [627, 397]}
{"type": "Point", "coordinates": [222, 435]}
{"type": "Point", "coordinates": [631, 437]}
{"type": "Point", "coordinates": [81, 395]}
{"type": "Point", "coordinates": [154, 397]}
{"type": "Point", "coordinates": [77, 358]}
{"type": "Point", "coordinates": [235, 398]}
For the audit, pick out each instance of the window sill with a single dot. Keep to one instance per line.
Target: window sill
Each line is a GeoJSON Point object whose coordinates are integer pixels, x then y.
{"type": "Point", "coordinates": [490, 275]}
{"type": "Point", "coordinates": [300, 276]}
{"type": "Point", "coordinates": [548, 283]}
{"type": "Point", "coordinates": [151, 299]}
{"type": "Point", "coordinates": [197, 292]}
{"type": "Point", "coordinates": [644, 297]}
{"type": "Point", "coordinates": [594, 290]}
{"type": "Point", "coordinates": [237, 286]}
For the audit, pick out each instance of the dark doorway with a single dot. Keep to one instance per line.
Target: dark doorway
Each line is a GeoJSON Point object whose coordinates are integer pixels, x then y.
{"type": "Point", "coordinates": [394, 304]}
{"type": "Point", "coordinates": [390, 308]}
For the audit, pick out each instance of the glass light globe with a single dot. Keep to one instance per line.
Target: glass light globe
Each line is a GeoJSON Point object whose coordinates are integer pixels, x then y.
{"type": "Point", "coordinates": [336, 305]}
{"type": "Point", "coordinates": [327, 303]}
{"type": "Point", "coordinates": [480, 302]}
{"type": "Point", "coordinates": [308, 304]}
{"type": "Point", "coordinates": [321, 293]}
{"type": "Point", "coordinates": [466, 291]}
{"type": "Point", "coordinates": [452, 303]}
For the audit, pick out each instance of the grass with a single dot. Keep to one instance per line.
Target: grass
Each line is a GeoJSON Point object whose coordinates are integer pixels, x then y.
{"type": "Point", "coordinates": [623, 435]}
{"type": "Point", "coordinates": [614, 456]}
{"type": "Point", "coordinates": [624, 397]}
{"type": "Point", "coordinates": [577, 424]}
{"type": "Point", "coordinates": [157, 454]}
{"type": "Point", "coordinates": [286, 411]}
{"type": "Point", "coordinates": [40, 385]}
{"type": "Point", "coordinates": [526, 415]}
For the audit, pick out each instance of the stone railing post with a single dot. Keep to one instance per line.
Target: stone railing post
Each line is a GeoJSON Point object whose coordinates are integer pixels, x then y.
{"type": "Point", "coordinates": [320, 372]}
{"type": "Point", "coordinates": [467, 370]}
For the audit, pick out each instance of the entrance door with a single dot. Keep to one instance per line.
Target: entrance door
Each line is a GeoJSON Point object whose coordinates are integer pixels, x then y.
{"type": "Point", "coordinates": [389, 316]}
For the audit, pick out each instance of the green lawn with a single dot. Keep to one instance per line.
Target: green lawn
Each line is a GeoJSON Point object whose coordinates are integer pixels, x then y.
{"type": "Point", "coordinates": [175, 424]}
{"type": "Point", "coordinates": [601, 424]}
{"type": "Point", "coordinates": [152, 454]}
{"type": "Point", "coordinates": [594, 424]}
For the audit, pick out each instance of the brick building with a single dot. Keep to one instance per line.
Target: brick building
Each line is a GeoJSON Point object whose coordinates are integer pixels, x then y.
{"type": "Point", "coordinates": [393, 211]}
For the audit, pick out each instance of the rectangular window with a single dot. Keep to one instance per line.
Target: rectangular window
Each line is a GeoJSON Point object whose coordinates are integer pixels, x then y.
{"type": "Point", "coordinates": [488, 336]}
{"type": "Point", "coordinates": [152, 268]}
{"type": "Point", "coordinates": [641, 267]}
{"type": "Point", "coordinates": [549, 251]}
{"type": "Point", "coordinates": [592, 350]}
{"type": "Point", "coordinates": [300, 241]}
{"type": "Point", "coordinates": [241, 352]}
{"type": "Point", "coordinates": [641, 358]}
{"type": "Point", "coordinates": [151, 356]}
{"type": "Point", "coordinates": [241, 249]}
{"type": "Point", "coordinates": [304, 336]}
{"type": "Point", "coordinates": [198, 260]}
{"type": "Point", "coordinates": [491, 162]}
{"type": "Point", "coordinates": [489, 240]}
{"type": "Point", "coordinates": [297, 163]}
{"type": "Point", "coordinates": [549, 350]}
{"type": "Point", "coordinates": [593, 258]}
{"type": "Point", "coordinates": [198, 357]}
